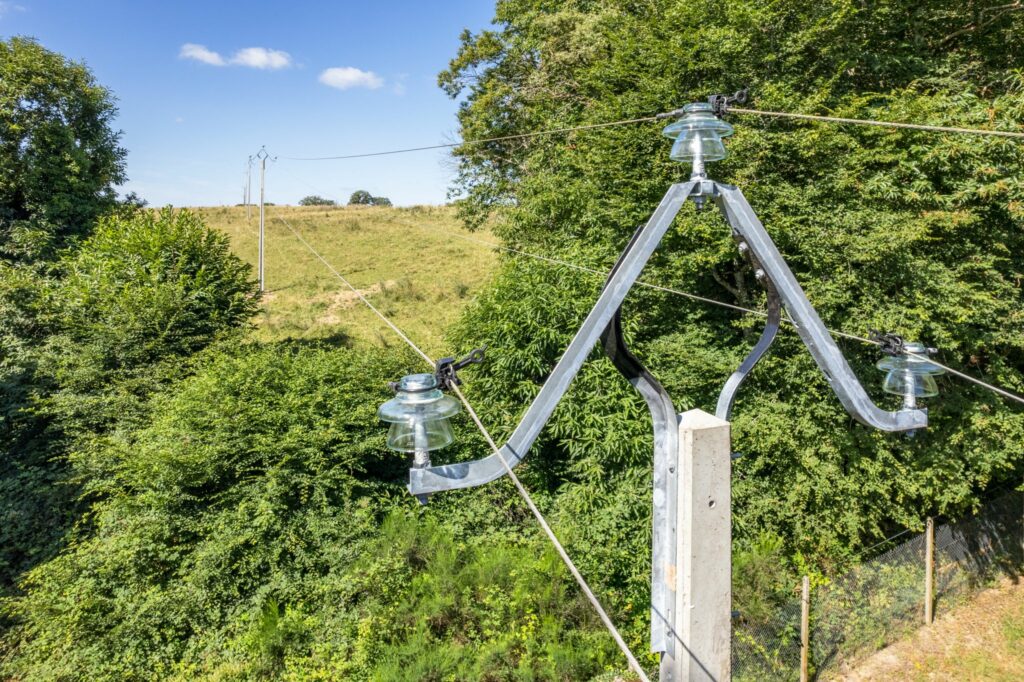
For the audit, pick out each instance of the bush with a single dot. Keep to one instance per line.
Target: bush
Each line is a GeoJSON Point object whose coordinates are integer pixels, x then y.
{"type": "Point", "coordinates": [257, 527]}
{"type": "Point", "coordinates": [85, 350]}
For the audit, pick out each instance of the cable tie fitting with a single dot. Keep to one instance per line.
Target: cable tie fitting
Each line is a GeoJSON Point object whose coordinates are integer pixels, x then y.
{"type": "Point", "coordinates": [720, 103]}
{"type": "Point", "coordinates": [888, 342]}
{"type": "Point", "coordinates": [447, 368]}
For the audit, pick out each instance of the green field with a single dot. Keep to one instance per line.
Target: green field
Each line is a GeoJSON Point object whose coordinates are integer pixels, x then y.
{"type": "Point", "coordinates": [404, 260]}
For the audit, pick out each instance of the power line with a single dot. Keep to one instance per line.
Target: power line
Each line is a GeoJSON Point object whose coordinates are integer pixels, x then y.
{"type": "Point", "coordinates": [355, 291]}
{"type": "Point", "coordinates": [502, 138]}
{"type": "Point", "coordinates": [670, 114]}
{"type": "Point", "coordinates": [883, 124]}
{"type": "Point", "coordinates": [955, 372]}
{"type": "Point", "coordinates": [633, 663]}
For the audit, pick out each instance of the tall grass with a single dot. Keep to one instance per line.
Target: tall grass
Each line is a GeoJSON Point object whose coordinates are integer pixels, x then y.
{"type": "Point", "coordinates": [401, 259]}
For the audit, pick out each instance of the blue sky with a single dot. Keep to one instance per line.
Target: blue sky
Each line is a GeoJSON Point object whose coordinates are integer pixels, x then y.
{"type": "Point", "coordinates": [324, 78]}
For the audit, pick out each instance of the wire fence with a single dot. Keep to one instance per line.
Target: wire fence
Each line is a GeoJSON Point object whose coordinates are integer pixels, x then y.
{"type": "Point", "coordinates": [883, 599]}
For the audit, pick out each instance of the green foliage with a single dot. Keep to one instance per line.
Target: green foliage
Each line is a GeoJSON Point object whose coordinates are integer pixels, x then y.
{"type": "Point", "coordinates": [363, 198]}
{"type": "Point", "coordinates": [258, 528]}
{"type": "Point", "coordinates": [916, 233]}
{"type": "Point", "coordinates": [84, 348]}
{"type": "Point", "coordinates": [316, 200]}
{"type": "Point", "coordinates": [59, 157]}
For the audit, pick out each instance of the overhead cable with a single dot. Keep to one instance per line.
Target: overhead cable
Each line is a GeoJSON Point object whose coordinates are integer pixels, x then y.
{"type": "Point", "coordinates": [882, 124]}
{"type": "Point", "coordinates": [502, 138]}
{"type": "Point", "coordinates": [670, 114]}
{"type": "Point", "coordinates": [605, 619]}
{"type": "Point", "coordinates": [955, 372]}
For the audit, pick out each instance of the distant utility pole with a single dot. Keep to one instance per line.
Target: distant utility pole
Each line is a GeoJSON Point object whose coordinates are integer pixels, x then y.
{"type": "Point", "coordinates": [262, 156]}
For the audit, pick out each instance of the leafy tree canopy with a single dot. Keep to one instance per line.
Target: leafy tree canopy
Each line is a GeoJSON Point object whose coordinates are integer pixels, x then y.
{"type": "Point", "coordinates": [59, 157]}
{"type": "Point", "coordinates": [911, 232]}
{"type": "Point", "coordinates": [363, 198]}
{"type": "Point", "coordinates": [315, 200]}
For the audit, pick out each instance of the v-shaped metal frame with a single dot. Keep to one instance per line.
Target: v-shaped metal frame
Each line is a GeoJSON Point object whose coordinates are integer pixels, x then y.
{"type": "Point", "coordinates": [603, 322]}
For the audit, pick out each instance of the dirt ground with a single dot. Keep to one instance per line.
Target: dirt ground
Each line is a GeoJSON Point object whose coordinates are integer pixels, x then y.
{"type": "Point", "coordinates": [980, 640]}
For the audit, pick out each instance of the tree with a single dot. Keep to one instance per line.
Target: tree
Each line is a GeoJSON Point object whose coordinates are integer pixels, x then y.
{"type": "Point", "coordinates": [363, 198]}
{"type": "Point", "coordinates": [360, 198]}
{"type": "Point", "coordinates": [59, 157]}
{"type": "Point", "coordinates": [315, 200]}
{"type": "Point", "coordinates": [904, 231]}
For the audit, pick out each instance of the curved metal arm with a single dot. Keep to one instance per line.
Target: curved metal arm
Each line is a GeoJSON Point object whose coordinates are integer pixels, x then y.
{"type": "Point", "coordinates": [480, 471]}
{"type": "Point", "coordinates": [725, 399]}
{"type": "Point", "coordinates": [815, 336]}
{"type": "Point", "coordinates": [666, 446]}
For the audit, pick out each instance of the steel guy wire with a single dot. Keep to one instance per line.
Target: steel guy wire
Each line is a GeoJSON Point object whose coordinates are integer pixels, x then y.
{"type": "Point", "coordinates": [995, 389]}
{"type": "Point", "coordinates": [605, 619]}
{"type": "Point", "coordinates": [358, 293]}
{"type": "Point", "coordinates": [883, 124]}
{"type": "Point", "coordinates": [633, 663]}
{"type": "Point", "coordinates": [484, 140]}
{"type": "Point", "coordinates": [670, 114]}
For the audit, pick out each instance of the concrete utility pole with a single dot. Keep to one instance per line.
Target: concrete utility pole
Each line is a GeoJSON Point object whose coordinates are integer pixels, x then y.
{"type": "Point", "coordinates": [262, 156]}
{"type": "Point", "coordinates": [701, 627]}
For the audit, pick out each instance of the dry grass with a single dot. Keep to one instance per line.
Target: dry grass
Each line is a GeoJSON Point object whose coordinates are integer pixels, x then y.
{"type": "Point", "coordinates": [980, 640]}
{"type": "Point", "coordinates": [401, 259]}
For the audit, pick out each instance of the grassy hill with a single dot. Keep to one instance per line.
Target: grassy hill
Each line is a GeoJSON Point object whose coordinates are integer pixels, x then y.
{"type": "Point", "coordinates": [405, 260]}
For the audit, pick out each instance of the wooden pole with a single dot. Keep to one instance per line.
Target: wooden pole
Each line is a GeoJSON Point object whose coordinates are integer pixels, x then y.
{"type": "Point", "coordinates": [805, 630]}
{"type": "Point", "coordinates": [929, 571]}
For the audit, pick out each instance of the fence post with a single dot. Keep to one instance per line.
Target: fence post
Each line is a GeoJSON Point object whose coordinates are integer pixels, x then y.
{"type": "Point", "coordinates": [805, 629]}
{"type": "Point", "coordinates": [929, 571]}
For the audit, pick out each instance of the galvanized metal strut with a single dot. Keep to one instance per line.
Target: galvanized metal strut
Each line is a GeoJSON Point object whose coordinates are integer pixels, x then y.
{"type": "Point", "coordinates": [604, 323]}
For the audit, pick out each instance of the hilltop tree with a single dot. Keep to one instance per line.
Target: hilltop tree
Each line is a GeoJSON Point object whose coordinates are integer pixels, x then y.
{"type": "Point", "coordinates": [316, 200]}
{"type": "Point", "coordinates": [363, 198]}
{"type": "Point", "coordinates": [59, 157]}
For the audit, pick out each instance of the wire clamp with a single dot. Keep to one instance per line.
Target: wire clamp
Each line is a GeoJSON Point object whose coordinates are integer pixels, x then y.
{"type": "Point", "coordinates": [720, 103]}
{"type": "Point", "coordinates": [893, 344]}
{"type": "Point", "coordinates": [447, 368]}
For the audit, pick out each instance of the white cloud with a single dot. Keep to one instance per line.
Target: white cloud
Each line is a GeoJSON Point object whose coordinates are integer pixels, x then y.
{"type": "Point", "coordinates": [8, 7]}
{"type": "Point", "coordinates": [262, 58]}
{"type": "Point", "coordinates": [345, 77]}
{"type": "Point", "coordinates": [200, 53]}
{"type": "Point", "coordinates": [252, 57]}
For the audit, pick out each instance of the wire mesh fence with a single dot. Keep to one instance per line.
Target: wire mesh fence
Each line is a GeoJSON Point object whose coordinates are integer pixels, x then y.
{"type": "Point", "coordinates": [883, 599]}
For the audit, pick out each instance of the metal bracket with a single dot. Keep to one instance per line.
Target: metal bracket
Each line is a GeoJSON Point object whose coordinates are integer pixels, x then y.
{"type": "Point", "coordinates": [665, 475]}
{"type": "Point", "coordinates": [447, 368]}
{"type": "Point", "coordinates": [480, 471]}
{"type": "Point", "coordinates": [604, 323]}
{"type": "Point", "coordinates": [809, 326]}
{"type": "Point", "coordinates": [720, 103]}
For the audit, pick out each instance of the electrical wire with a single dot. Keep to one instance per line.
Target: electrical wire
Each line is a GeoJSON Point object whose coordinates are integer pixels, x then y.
{"type": "Point", "coordinates": [670, 114]}
{"type": "Point", "coordinates": [358, 293]}
{"type": "Point", "coordinates": [633, 663]}
{"type": "Point", "coordinates": [605, 619]}
{"type": "Point", "coordinates": [883, 124]}
{"type": "Point", "coordinates": [955, 372]}
{"type": "Point", "coordinates": [502, 138]}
